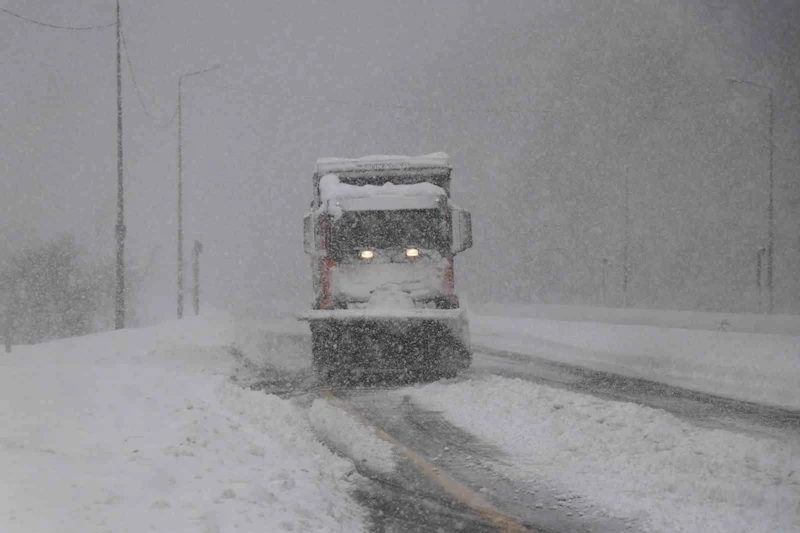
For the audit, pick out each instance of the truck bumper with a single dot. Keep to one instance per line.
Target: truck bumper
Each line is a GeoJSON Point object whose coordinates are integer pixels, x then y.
{"type": "Point", "coordinates": [420, 343]}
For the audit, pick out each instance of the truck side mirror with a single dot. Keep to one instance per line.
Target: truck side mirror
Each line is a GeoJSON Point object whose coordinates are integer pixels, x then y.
{"type": "Point", "coordinates": [462, 230]}
{"type": "Point", "coordinates": [308, 233]}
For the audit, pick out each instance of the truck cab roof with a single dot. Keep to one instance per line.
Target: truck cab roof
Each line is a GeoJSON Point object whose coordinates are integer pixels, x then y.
{"type": "Point", "coordinates": [379, 170]}
{"type": "Point", "coordinates": [327, 165]}
{"type": "Point", "coordinates": [336, 196]}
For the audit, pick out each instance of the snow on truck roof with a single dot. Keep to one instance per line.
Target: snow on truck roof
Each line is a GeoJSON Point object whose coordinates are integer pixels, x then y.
{"type": "Point", "coordinates": [376, 197]}
{"type": "Point", "coordinates": [327, 165]}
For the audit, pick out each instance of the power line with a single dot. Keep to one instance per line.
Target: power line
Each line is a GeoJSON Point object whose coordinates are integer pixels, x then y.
{"type": "Point", "coordinates": [174, 114]}
{"type": "Point", "coordinates": [171, 120]}
{"type": "Point", "coordinates": [133, 76]}
{"type": "Point", "coordinates": [73, 28]}
{"type": "Point", "coordinates": [124, 44]}
{"type": "Point", "coordinates": [139, 92]}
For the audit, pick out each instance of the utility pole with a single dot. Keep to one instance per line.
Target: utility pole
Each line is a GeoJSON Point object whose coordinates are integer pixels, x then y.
{"type": "Point", "coordinates": [198, 249]}
{"type": "Point", "coordinates": [119, 309]}
{"type": "Point", "coordinates": [771, 202]}
{"type": "Point", "coordinates": [771, 209]}
{"type": "Point", "coordinates": [9, 314]}
{"type": "Point", "coordinates": [605, 264]}
{"type": "Point", "coordinates": [12, 307]}
{"type": "Point", "coordinates": [180, 199]}
{"type": "Point", "coordinates": [627, 237]}
{"type": "Point", "coordinates": [8, 330]}
{"type": "Point", "coordinates": [180, 182]}
{"type": "Point", "coordinates": [119, 295]}
{"type": "Point", "coordinates": [759, 284]}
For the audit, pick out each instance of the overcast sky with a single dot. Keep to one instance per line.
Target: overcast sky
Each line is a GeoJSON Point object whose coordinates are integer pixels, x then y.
{"type": "Point", "coordinates": [543, 106]}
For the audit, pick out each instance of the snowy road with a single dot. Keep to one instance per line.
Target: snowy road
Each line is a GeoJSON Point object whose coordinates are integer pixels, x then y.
{"type": "Point", "coordinates": [552, 460]}
{"type": "Point", "coordinates": [532, 497]}
{"type": "Point", "coordinates": [555, 447]}
{"type": "Point", "coordinates": [446, 477]}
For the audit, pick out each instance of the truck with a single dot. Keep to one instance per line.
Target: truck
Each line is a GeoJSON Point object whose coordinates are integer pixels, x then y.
{"type": "Point", "coordinates": [382, 234]}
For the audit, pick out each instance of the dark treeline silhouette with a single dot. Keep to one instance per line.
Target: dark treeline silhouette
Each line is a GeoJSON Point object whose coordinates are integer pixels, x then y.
{"type": "Point", "coordinates": [53, 292]}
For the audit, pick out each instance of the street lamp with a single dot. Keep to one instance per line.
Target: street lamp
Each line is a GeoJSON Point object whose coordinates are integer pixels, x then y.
{"type": "Point", "coordinates": [198, 249]}
{"type": "Point", "coordinates": [119, 228]}
{"type": "Point", "coordinates": [759, 261]}
{"type": "Point", "coordinates": [180, 182]}
{"type": "Point", "coordinates": [771, 202]}
{"type": "Point", "coordinates": [627, 238]}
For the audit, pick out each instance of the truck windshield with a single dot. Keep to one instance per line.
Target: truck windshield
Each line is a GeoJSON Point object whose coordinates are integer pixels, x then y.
{"type": "Point", "coordinates": [357, 230]}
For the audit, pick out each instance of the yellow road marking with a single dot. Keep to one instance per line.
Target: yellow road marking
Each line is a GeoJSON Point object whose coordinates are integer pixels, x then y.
{"type": "Point", "coordinates": [456, 489]}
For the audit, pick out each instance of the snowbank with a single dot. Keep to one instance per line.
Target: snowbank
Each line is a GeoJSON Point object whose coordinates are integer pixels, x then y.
{"type": "Point", "coordinates": [141, 430]}
{"type": "Point", "coordinates": [344, 432]}
{"type": "Point", "coordinates": [634, 462]}
{"type": "Point", "coordinates": [751, 367]}
{"type": "Point", "coordinates": [280, 343]}
{"type": "Point", "coordinates": [741, 322]}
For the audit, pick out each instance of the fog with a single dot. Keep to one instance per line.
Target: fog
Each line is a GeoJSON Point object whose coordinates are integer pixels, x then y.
{"type": "Point", "coordinates": [547, 110]}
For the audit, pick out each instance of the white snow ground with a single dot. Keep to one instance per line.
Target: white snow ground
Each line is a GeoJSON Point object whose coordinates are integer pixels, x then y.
{"type": "Point", "coordinates": [722, 360]}
{"type": "Point", "coordinates": [140, 430]}
{"type": "Point", "coordinates": [625, 460]}
{"type": "Point", "coordinates": [351, 436]}
{"type": "Point", "coordinates": [741, 322]}
{"type": "Point", "coordinates": [618, 458]}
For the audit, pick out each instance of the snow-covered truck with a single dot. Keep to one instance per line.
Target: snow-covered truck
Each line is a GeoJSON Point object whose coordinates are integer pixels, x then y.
{"type": "Point", "coordinates": [382, 234]}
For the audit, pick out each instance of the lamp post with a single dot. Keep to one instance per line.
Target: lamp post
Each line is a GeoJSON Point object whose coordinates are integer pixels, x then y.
{"type": "Point", "coordinates": [198, 249]}
{"type": "Point", "coordinates": [9, 316]}
{"type": "Point", "coordinates": [119, 293]}
{"type": "Point", "coordinates": [180, 181]}
{"type": "Point", "coordinates": [759, 270]}
{"type": "Point", "coordinates": [627, 238]}
{"type": "Point", "coordinates": [771, 202]}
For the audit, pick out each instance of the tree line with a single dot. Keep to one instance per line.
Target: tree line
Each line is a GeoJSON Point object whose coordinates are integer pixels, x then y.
{"type": "Point", "coordinates": [53, 291]}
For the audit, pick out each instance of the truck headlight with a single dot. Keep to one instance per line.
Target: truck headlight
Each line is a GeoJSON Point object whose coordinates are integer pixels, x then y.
{"type": "Point", "coordinates": [412, 252]}
{"type": "Point", "coordinates": [367, 254]}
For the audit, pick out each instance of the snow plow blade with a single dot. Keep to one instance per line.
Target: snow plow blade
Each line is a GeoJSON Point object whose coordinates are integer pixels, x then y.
{"type": "Point", "coordinates": [353, 346]}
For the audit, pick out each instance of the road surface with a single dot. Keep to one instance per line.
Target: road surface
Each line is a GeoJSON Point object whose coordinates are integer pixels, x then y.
{"type": "Point", "coordinates": [447, 480]}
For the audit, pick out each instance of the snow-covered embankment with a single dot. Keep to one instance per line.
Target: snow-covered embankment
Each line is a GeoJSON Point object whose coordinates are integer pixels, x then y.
{"type": "Point", "coordinates": [756, 367]}
{"type": "Point", "coordinates": [142, 430]}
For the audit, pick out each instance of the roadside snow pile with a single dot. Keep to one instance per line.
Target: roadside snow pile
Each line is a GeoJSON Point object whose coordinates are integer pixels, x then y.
{"type": "Point", "coordinates": [344, 432]}
{"type": "Point", "coordinates": [747, 366]}
{"type": "Point", "coordinates": [635, 462]}
{"type": "Point", "coordinates": [741, 322]}
{"type": "Point", "coordinates": [280, 343]}
{"type": "Point", "coordinates": [141, 430]}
